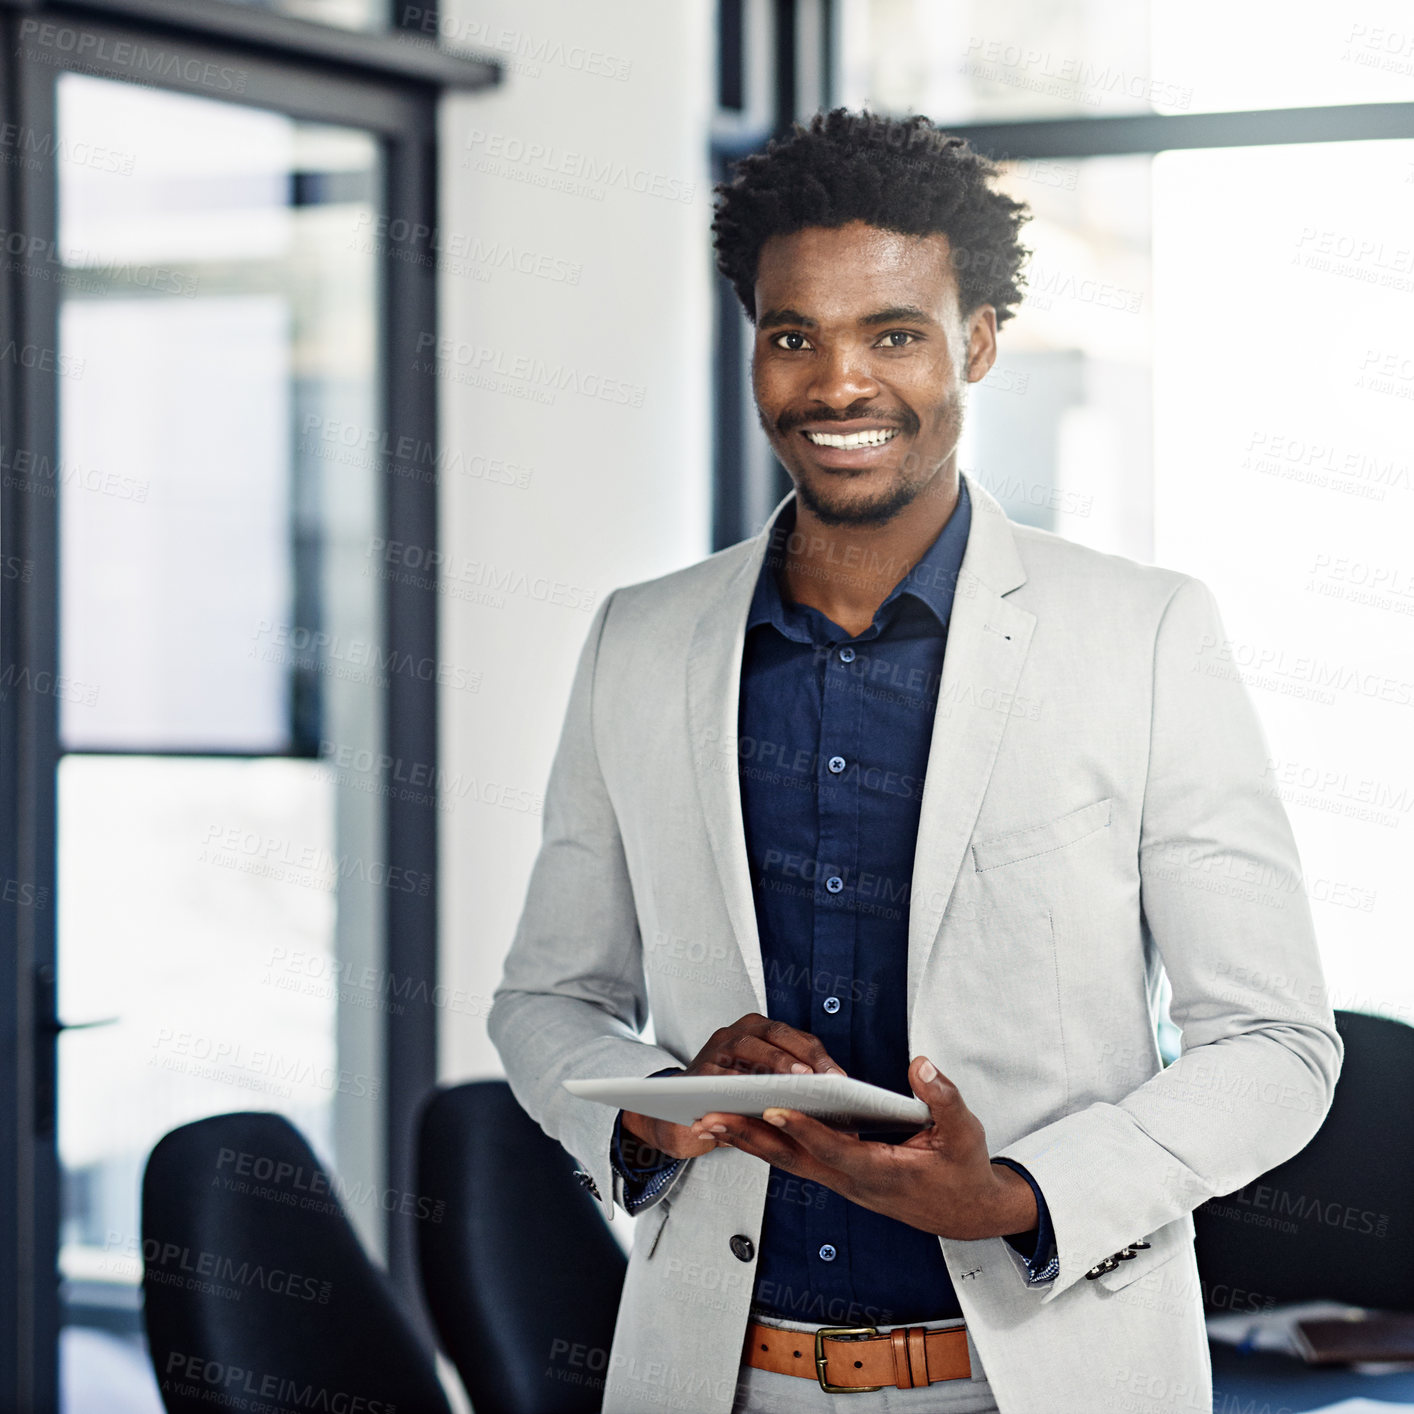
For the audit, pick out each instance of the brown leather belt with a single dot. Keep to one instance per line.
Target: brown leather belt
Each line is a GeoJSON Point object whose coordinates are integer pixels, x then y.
{"type": "Point", "coordinates": [859, 1358]}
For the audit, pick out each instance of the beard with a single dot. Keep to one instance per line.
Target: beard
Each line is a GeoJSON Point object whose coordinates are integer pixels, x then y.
{"type": "Point", "coordinates": [909, 481]}
{"type": "Point", "coordinates": [879, 511]}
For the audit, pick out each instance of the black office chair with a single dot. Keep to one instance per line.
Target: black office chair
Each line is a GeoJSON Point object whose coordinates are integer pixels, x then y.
{"type": "Point", "coordinates": [1336, 1222]}
{"type": "Point", "coordinates": [255, 1285]}
{"type": "Point", "coordinates": [519, 1269]}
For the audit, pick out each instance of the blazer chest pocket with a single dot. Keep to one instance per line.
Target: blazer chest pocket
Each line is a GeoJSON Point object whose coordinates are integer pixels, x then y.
{"type": "Point", "coordinates": [649, 1228]}
{"type": "Point", "coordinates": [1012, 848]}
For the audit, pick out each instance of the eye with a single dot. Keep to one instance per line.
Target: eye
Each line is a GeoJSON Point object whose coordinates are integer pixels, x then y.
{"type": "Point", "coordinates": [800, 341]}
{"type": "Point", "coordinates": [898, 339]}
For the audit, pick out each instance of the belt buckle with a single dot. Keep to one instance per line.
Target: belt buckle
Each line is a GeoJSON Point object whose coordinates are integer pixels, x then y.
{"type": "Point", "coordinates": [820, 1358]}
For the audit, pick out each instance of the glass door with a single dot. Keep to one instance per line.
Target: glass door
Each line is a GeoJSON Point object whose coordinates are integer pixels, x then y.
{"type": "Point", "coordinates": [216, 881]}
{"type": "Point", "coordinates": [234, 908]}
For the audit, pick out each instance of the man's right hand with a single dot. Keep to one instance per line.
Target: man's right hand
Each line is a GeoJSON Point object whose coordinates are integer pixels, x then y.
{"type": "Point", "coordinates": [751, 1045]}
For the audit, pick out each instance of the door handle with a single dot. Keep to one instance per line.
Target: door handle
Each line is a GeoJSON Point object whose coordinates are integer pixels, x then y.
{"type": "Point", "coordinates": [46, 1003]}
{"type": "Point", "coordinates": [55, 1027]}
{"type": "Point", "coordinates": [47, 1028]}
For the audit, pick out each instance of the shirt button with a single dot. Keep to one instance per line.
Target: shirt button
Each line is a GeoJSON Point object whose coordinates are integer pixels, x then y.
{"type": "Point", "coordinates": [834, 883]}
{"type": "Point", "coordinates": [831, 1004]}
{"type": "Point", "coordinates": [836, 764]}
{"type": "Point", "coordinates": [827, 1253]}
{"type": "Point", "coordinates": [742, 1248]}
{"type": "Point", "coordinates": [846, 655]}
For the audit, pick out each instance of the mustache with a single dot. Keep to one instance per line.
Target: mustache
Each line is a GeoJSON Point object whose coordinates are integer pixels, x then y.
{"type": "Point", "coordinates": [905, 419]}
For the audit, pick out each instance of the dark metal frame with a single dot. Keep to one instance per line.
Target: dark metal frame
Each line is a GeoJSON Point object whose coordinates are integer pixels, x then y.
{"type": "Point", "coordinates": [1151, 133]}
{"type": "Point", "coordinates": [388, 85]}
{"type": "Point", "coordinates": [401, 52]}
{"type": "Point", "coordinates": [748, 480]}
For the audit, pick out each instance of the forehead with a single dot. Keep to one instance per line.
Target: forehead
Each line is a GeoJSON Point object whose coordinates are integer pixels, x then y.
{"type": "Point", "coordinates": [843, 272]}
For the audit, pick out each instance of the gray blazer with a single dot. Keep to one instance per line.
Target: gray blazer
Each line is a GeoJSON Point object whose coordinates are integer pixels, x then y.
{"type": "Point", "coordinates": [1092, 815]}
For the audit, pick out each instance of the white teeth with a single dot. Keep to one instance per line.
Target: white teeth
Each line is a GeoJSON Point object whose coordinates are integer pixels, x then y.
{"type": "Point", "coordinates": [872, 438]}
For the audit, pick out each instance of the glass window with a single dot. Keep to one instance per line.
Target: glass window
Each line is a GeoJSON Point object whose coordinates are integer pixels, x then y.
{"type": "Point", "coordinates": [1296, 54]}
{"type": "Point", "coordinates": [221, 889]}
{"type": "Point", "coordinates": [1284, 383]}
{"type": "Point", "coordinates": [975, 62]}
{"type": "Point", "coordinates": [199, 910]}
{"type": "Point", "coordinates": [1213, 371]}
{"type": "Point", "coordinates": [181, 552]}
{"type": "Point", "coordinates": [1061, 429]}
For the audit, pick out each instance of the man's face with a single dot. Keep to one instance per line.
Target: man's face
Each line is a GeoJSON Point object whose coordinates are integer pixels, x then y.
{"type": "Point", "coordinates": [861, 366]}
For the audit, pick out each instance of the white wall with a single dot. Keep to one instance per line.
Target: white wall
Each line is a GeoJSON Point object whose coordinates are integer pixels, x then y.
{"type": "Point", "coordinates": [605, 301]}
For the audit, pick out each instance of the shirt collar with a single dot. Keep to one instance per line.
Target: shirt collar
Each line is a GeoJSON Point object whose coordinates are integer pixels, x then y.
{"type": "Point", "coordinates": [932, 581]}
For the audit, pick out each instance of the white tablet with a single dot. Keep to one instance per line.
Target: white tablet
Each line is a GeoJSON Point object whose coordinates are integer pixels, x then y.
{"type": "Point", "coordinates": [836, 1100]}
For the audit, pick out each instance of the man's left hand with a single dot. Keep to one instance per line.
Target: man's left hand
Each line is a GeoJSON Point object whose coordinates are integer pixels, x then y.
{"type": "Point", "coordinates": [940, 1180]}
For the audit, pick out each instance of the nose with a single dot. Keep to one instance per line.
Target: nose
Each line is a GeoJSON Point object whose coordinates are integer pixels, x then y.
{"type": "Point", "coordinates": [842, 377]}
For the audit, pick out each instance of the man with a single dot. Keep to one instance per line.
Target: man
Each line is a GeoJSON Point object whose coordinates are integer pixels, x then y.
{"type": "Point", "coordinates": [901, 789]}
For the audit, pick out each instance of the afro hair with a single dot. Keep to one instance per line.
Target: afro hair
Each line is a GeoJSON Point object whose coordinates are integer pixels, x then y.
{"type": "Point", "coordinates": [900, 174]}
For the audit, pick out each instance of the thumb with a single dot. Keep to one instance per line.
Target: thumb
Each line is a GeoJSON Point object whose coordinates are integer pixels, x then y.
{"type": "Point", "coordinates": [935, 1090]}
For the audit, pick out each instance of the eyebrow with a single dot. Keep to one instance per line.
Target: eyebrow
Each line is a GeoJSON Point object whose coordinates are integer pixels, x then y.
{"type": "Point", "coordinates": [773, 318]}
{"type": "Point", "coordinates": [898, 313]}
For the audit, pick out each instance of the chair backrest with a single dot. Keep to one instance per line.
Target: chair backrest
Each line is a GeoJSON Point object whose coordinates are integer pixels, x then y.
{"type": "Point", "coordinates": [256, 1287]}
{"type": "Point", "coordinates": [1335, 1222]}
{"type": "Point", "coordinates": [519, 1269]}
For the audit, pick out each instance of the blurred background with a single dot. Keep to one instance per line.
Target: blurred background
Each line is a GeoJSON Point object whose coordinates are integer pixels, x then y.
{"type": "Point", "coordinates": [354, 350]}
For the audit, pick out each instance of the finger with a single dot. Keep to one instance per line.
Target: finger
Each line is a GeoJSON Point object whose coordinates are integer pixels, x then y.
{"type": "Point", "coordinates": [713, 1121]}
{"type": "Point", "coordinates": [831, 1147]}
{"type": "Point", "coordinates": [933, 1087]}
{"type": "Point", "coordinates": [684, 1142]}
{"type": "Point", "coordinates": [745, 1053]}
{"type": "Point", "coordinates": [807, 1049]}
{"type": "Point", "coordinates": [663, 1137]}
{"type": "Point", "coordinates": [717, 1127]}
{"type": "Point", "coordinates": [766, 1142]}
{"type": "Point", "coordinates": [953, 1123]}
{"type": "Point", "coordinates": [757, 1056]}
{"type": "Point", "coordinates": [715, 1058]}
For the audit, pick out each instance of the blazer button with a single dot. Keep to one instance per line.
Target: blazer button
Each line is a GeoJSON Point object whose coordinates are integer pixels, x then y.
{"type": "Point", "coordinates": [742, 1248]}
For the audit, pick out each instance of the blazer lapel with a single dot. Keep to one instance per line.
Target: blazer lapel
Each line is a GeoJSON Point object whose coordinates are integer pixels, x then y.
{"type": "Point", "coordinates": [988, 640]}
{"type": "Point", "coordinates": [713, 688]}
{"type": "Point", "coordinates": [987, 643]}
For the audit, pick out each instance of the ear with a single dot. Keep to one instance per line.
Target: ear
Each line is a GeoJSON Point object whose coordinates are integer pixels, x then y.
{"type": "Point", "coordinates": [981, 342]}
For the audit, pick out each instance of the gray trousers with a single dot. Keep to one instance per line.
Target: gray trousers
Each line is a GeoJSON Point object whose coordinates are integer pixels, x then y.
{"type": "Point", "coordinates": [762, 1392]}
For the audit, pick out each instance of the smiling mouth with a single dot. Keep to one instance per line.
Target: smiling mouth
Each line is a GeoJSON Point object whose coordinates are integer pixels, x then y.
{"type": "Point", "coordinates": [848, 441]}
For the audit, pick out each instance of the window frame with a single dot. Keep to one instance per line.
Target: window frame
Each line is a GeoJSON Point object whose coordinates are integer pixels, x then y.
{"type": "Point", "coordinates": [388, 85]}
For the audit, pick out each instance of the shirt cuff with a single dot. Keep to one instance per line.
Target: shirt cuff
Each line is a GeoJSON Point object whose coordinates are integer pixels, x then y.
{"type": "Point", "coordinates": [1043, 1263]}
{"type": "Point", "coordinates": [641, 1183]}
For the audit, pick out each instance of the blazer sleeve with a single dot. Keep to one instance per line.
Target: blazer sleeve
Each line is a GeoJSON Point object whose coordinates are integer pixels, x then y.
{"type": "Point", "coordinates": [572, 1000]}
{"type": "Point", "coordinates": [1224, 903]}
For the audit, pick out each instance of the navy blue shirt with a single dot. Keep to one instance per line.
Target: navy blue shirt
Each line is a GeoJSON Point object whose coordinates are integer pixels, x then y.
{"type": "Point", "coordinates": [833, 740]}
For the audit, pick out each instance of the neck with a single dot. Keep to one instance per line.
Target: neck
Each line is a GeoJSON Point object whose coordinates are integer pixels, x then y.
{"type": "Point", "coordinates": [847, 571]}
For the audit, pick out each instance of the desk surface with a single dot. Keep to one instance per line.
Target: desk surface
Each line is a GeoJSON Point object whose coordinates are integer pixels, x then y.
{"type": "Point", "coordinates": [1267, 1380]}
